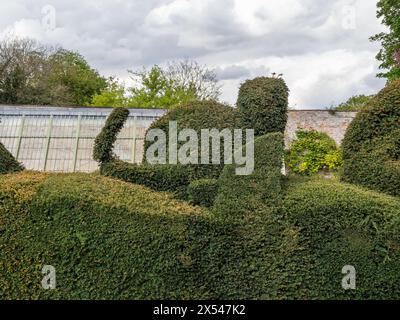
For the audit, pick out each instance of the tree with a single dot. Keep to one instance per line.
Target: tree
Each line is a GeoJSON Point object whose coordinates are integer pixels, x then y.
{"type": "Point", "coordinates": [31, 73]}
{"type": "Point", "coordinates": [193, 77]}
{"type": "Point", "coordinates": [354, 103]}
{"type": "Point", "coordinates": [176, 84]}
{"type": "Point", "coordinates": [389, 55]}
{"type": "Point", "coordinates": [70, 69]}
{"type": "Point", "coordinates": [23, 71]}
{"type": "Point", "coordinates": [112, 96]}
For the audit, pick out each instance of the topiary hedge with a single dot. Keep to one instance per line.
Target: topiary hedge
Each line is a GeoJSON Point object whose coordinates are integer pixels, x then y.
{"type": "Point", "coordinates": [172, 178]}
{"type": "Point", "coordinates": [246, 215]}
{"type": "Point", "coordinates": [198, 115]}
{"type": "Point", "coordinates": [263, 105]}
{"type": "Point", "coordinates": [104, 142]}
{"type": "Point", "coordinates": [203, 192]}
{"type": "Point", "coordinates": [372, 131]}
{"type": "Point", "coordinates": [8, 163]}
{"type": "Point", "coordinates": [106, 239]}
{"type": "Point", "coordinates": [331, 225]}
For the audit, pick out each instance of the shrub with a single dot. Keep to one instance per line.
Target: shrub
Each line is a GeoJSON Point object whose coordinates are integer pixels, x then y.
{"type": "Point", "coordinates": [312, 152]}
{"type": "Point", "coordinates": [106, 239]}
{"type": "Point", "coordinates": [371, 130]}
{"type": "Point", "coordinates": [263, 105]}
{"type": "Point", "coordinates": [330, 225]}
{"type": "Point", "coordinates": [104, 142]}
{"type": "Point", "coordinates": [246, 214]}
{"type": "Point", "coordinates": [377, 164]}
{"type": "Point", "coordinates": [203, 192]}
{"type": "Point", "coordinates": [173, 178]}
{"type": "Point", "coordinates": [197, 116]}
{"type": "Point", "coordinates": [8, 163]}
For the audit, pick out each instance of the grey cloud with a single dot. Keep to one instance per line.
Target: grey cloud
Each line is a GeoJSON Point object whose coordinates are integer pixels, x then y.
{"type": "Point", "coordinates": [232, 72]}
{"type": "Point", "coordinates": [116, 35]}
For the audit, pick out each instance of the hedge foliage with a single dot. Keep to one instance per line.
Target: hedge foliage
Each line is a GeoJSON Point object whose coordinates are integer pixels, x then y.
{"type": "Point", "coordinates": [104, 142]}
{"type": "Point", "coordinates": [106, 239]}
{"type": "Point", "coordinates": [263, 105]}
{"type": "Point", "coordinates": [199, 115]}
{"type": "Point", "coordinates": [374, 130]}
{"type": "Point", "coordinates": [246, 210]}
{"type": "Point", "coordinates": [332, 224]}
{"type": "Point", "coordinates": [203, 192]}
{"type": "Point", "coordinates": [172, 178]}
{"type": "Point", "coordinates": [8, 163]}
{"type": "Point", "coordinates": [312, 152]}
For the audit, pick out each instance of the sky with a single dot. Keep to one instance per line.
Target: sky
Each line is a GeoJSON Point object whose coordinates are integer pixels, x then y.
{"type": "Point", "coordinates": [321, 47]}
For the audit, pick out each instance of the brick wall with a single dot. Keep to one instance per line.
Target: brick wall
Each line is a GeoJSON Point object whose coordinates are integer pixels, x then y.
{"type": "Point", "coordinates": [334, 124]}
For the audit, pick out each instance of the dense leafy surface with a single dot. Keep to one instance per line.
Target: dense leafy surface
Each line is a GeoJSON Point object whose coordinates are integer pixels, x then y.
{"type": "Point", "coordinates": [107, 239]}
{"type": "Point", "coordinates": [371, 147]}
{"type": "Point", "coordinates": [263, 105]}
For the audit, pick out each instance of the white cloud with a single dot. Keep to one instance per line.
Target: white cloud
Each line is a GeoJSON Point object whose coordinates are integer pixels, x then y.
{"type": "Point", "coordinates": [321, 47]}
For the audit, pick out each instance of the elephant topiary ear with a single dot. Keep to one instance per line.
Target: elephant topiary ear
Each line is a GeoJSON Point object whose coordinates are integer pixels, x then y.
{"type": "Point", "coordinates": [8, 163]}
{"type": "Point", "coordinates": [104, 143]}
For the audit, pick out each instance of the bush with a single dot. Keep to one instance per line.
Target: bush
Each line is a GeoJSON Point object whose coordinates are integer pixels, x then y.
{"type": "Point", "coordinates": [377, 164]}
{"type": "Point", "coordinates": [197, 116]}
{"type": "Point", "coordinates": [330, 225]}
{"type": "Point", "coordinates": [203, 192]}
{"type": "Point", "coordinates": [246, 215]}
{"type": "Point", "coordinates": [172, 178]}
{"type": "Point", "coordinates": [104, 142]}
{"type": "Point", "coordinates": [369, 132]}
{"type": "Point", "coordinates": [263, 105]}
{"type": "Point", "coordinates": [313, 152]}
{"type": "Point", "coordinates": [106, 239]}
{"type": "Point", "coordinates": [8, 163]}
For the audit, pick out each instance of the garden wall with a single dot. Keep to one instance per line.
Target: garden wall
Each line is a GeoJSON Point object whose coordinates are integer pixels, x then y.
{"type": "Point", "coordinates": [61, 139]}
{"type": "Point", "coordinates": [333, 123]}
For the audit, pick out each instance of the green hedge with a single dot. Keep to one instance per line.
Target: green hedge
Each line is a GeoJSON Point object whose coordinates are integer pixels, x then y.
{"type": "Point", "coordinates": [8, 163]}
{"type": "Point", "coordinates": [373, 131]}
{"type": "Point", "coordinates": [246, 214]}
{"type": "Point", "coordinates": [203, 192]}
{"type": "Point", "coordinates": [106, 239]}
{"type": "Point", "coordinates": [104, 142]}
{"type": "Point", "coordinates": [263, 105]}
{"type": "Point", "coordinates": [199, 115]}
{"type": "Point", "coordinates": [377, 164]}
{"type": "Point", "coordinates": [172, 178]}
{"type": "Point", "coordinates": [330, 225]}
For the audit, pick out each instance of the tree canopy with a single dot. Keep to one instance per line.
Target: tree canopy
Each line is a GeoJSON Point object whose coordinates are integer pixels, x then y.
{"type": "Point", "coordinates": [31, 73]}
{"type": "Point", "coordinates": [389, 54]}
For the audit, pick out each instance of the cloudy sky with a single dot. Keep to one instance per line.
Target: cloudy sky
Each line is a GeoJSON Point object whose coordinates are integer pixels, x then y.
{"type": "Point", "coordinates": [321, 47]}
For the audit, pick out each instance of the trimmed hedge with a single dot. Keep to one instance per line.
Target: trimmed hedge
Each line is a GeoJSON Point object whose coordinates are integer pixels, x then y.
{"type": "Point", "coordinates": [377, 164]}
{"type": "Point", "coordinates": [203, 192]}
{"type": "Point", "coordinates": [246, 213]}
{"type": "Point", "coordinates": [106, 239]}
{"type": "Point", "coordinates": [332, 224]}
{"type": "Point", "coordinates": [263, 105]}
{"type": "Point", "coordinates": [199, 115]}
{"type": "Point", "coordinates": [8, 163]}
{"type": "Point", "coordinates": [104, 142]}
{"type": "Point", "coordinates": [374, 130]}
{"type": "Point", "coordinates": [172, 178]}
